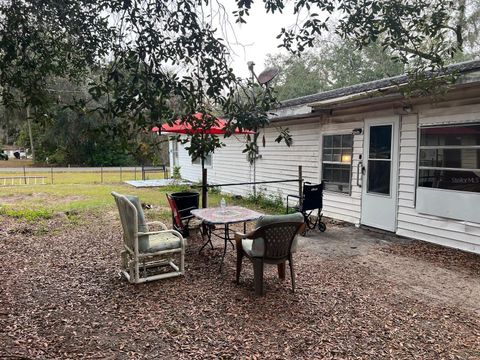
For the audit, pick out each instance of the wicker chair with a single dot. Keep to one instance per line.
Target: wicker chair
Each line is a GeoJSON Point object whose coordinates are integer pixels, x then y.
{"type": "Point", "coordinates": [273, 242]}
{"type": "Point", "coordinates": [146, 253]}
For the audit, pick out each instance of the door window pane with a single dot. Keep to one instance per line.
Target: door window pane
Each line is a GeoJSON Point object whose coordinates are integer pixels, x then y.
{"type": "Point", "coordinates": [380, 142]}
{"type": "Point", "coordinates": [378, 177]}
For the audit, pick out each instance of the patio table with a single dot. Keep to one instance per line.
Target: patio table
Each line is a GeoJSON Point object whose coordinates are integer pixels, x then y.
{"type": "Point", "coordinates": [225, 217]}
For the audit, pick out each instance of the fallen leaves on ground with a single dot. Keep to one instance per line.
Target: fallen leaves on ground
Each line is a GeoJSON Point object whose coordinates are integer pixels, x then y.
{"type": "Point", "coordinates": [61, 297]}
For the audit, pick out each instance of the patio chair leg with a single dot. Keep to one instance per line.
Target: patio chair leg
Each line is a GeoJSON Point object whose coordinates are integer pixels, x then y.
{"type": "Point", "coordinates": [182, 260]}
{"type": "Point", "coordinates": [258, 276]}
{"type": "Point", "coordinates": [281, 271]}
{"type": "Point", "coordinates": [238, 243]}
{"type": "Point", "coordinates": [292, 272]}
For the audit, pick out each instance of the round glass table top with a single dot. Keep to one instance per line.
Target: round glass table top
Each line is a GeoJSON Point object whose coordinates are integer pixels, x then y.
{"type": "Point", "coordinates": [226, 215]}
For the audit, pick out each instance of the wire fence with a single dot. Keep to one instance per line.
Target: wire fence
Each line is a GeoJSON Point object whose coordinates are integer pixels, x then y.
{"type": "Point", "coordinates": [79, 175]}
{"type": "Point", "coordinates": [205, 185]}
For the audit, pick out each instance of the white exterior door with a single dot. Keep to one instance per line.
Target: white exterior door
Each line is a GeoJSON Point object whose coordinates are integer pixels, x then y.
{"type": "Point", "coordinates": [380, 173]}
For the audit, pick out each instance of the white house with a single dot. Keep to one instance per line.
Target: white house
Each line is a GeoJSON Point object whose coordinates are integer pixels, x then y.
{"type": "Point", "coordinates": [409, 167]}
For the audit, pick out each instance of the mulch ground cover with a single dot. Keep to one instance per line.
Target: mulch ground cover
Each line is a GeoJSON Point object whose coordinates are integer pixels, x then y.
{"type": "Point", "coordinates": [441, 255]}
{"type": "Point", "coordinates": [61, 298]}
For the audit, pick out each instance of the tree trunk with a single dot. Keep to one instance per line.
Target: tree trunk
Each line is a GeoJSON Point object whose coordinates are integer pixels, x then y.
{"type": "Point", "coordinates": [29, 124]}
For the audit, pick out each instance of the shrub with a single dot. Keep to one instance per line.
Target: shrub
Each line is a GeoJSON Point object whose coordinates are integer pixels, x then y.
{"type": "Point", "coordinates": [272, 202]}
{"type": "Point", "coordinates": [176, 173]}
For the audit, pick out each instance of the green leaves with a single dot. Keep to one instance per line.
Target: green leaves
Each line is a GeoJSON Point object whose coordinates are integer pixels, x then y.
{"type": "Point", "coordinates": [284, 135]}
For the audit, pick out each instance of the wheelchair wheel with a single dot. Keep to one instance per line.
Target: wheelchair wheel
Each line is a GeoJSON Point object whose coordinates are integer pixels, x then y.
{"type": "Point", "coordinates": [322, 227]}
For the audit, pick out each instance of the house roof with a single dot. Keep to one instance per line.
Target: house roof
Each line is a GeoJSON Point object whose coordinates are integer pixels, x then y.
{"type": "Point", "coordinates": [349, 91]}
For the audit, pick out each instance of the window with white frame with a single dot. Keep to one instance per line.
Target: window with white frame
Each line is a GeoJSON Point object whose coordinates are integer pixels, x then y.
{"type": "Point", "coordinates": [208, 160]}
{"type": "Point", "coordinates": [337, 162]}
{"type": "Point", "coordinates": [449, 157]}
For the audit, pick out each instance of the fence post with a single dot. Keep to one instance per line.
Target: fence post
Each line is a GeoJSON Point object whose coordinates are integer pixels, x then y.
{"type": "Point", "coordinates": [204, 189]}
{"type": "Point", "coordinates": [51, 173]}
{"type": "Point", "coordinates": [300, 185]}
{"type": "Point", "coordinates": [135, 172]}
{"type": "Point", "coordinates": [101, 174]}
{"type": "Point", "coordinates": [120, 174]}
{"type": "Point", "coordinates": [24, 176]}
{"type": "Point", "coordinates": [143, 172]}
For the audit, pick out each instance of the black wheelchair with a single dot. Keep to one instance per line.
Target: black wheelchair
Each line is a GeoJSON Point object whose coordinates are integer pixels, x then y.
{"type": "Point", "coordinates": [312, 200]}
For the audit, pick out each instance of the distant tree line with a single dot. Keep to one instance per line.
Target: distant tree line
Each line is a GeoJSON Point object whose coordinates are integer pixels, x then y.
{"type": "Point", "coordinates": [64, 136]}
{"type": "Point", "coordinates": [335, 62]}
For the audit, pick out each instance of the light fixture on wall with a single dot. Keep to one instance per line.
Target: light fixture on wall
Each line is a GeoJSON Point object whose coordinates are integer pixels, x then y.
{"type": "Point", "coordinates": [407, 109]}
{"type": "Point", "coordinates": [357, 131]}
{"type": "Point", "coordinates": [346, 158]}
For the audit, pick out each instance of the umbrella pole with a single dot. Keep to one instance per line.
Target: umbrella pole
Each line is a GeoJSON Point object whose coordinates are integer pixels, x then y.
{"type": "Point", "coordinates": [204, 185]}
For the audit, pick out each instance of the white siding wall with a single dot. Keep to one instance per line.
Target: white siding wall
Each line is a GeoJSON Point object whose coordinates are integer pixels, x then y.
{"type": "Point", "coordinates": [229, 165]}
{"type": "Point", "coordinates": [279, 162]}
{"type": "Point", "coordinates": [188, 170]}
{"type": "Point", "coordinates": [459, 234]}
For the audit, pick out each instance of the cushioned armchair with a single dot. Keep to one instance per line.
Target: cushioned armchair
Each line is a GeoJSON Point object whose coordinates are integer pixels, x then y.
{"type": "Point", "coordinates": [272, 242]}
{"type": "Point", "coordinates": [146, 253]}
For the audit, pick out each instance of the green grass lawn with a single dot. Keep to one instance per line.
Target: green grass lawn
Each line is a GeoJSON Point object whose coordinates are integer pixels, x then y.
{"type": "Point", "coordinates": [44, 201]}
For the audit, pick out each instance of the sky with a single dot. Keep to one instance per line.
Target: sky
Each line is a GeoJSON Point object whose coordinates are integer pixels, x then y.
{"type": "Point", "coordinates": [257, 37]}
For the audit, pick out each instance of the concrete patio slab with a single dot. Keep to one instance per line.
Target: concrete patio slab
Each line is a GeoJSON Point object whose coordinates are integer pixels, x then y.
{"type": "Point", "coordinates": [420, 270]}
{"type": "Point", "coordinates": [345, 240]}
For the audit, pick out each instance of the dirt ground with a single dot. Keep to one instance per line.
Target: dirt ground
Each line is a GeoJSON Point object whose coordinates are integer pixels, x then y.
{"type": "Point", "coordinates": [44, 199]}
{"type": "Point", "coordinates": [360, 295]}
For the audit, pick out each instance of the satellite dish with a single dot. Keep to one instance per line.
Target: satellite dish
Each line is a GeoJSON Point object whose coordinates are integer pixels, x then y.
{"type": "Point", "coordinates": [267, 75]}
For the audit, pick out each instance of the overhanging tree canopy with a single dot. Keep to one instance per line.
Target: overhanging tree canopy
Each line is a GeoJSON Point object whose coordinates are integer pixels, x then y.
{"type": "Point", "coordinates": [161, 59]}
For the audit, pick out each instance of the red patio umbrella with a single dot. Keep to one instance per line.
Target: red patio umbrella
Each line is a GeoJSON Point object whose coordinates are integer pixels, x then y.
{"type": "Point", "coordinates": [185, 128]}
